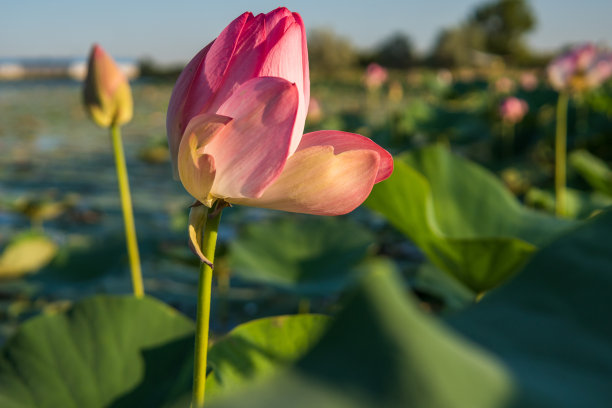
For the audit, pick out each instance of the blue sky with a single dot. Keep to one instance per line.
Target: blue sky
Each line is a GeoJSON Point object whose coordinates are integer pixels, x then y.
{"type": "Point", "coordinates": [173, 31]}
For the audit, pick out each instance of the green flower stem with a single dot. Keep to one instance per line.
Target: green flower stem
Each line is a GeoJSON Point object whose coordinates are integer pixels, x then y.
{"type": "Point", "coordinates": [209, 242]}
{"type": "Point", "coordinates": [561, 154]}
{"type": "Point", "coordinates": [128, 216]}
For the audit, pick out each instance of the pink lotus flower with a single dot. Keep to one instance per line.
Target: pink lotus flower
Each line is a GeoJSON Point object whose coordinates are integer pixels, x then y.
{"type": "Point", "coordinates": [582, 68]}
{"type": "Point", "coordinates": [375, 76]}
{"type": "Point", "coordinates": [107, 95]}
{"type": "Point", "coordinates": [512, 109]}
{"type": "Point", "coordinates": [235, 126]}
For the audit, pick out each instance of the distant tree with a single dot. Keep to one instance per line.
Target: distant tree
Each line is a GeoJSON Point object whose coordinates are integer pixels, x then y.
{"type": "Point", "coordinates": [395, 52]}
{"type": "Point", "coordinates": [504, 24]}
{"type": "Point", "coordinates": [149, 69]}
{"type": "Point", "coordinates": [329, 52]}
{"type": "Point", "coordinates": [457, 46]}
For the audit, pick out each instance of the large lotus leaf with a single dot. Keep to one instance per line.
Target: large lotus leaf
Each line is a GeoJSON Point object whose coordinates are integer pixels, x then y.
{"type": "Point", "coordinates": [106, 351]}
{"type": "Point", "coordinates": [542, 340]}
{"type": "Point", "coordinates": [382, 351]}
{"type": "Point", "coordinates": [551, 324]}
{"type": "Point", "coordinates": [307, 255]}
{"type": "Point", "coordinates": [594, 170]}
{"type": "Point", "coordinates": [26, 254]}
{"type": "Point", "coordinates": [248, 354]}
{"type": "Point", "coordinates": [124, 352]}
{"type": "Point", "coordinates": [255, 350]}
{"type": "Point", "coordinates": [461, 216]}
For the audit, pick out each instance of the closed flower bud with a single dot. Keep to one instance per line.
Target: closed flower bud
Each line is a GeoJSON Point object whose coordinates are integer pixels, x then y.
{"type": "Point", "coordinates": [107, 95]}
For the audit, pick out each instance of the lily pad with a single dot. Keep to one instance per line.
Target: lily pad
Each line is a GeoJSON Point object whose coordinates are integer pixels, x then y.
{"type": "Point", "coordinates": [304, 255]}
{"type": "Point", "coordinates": [255, 350]}
{"type": "Point", "coordinates": [381, 351]}
{"type": "Point", "coordinates": [121, 351]}
{"type": "Point", "coordinates": [249, 354]}
{"type": "Point", "coordinates": [25, 254]}
{"type": "Point", "coordinates": [462, 217]}
{"type": "Point", "coordinates": [558, 346]}
{"type": "Point", "coordinates": [542, 340]}
{"type": "Point", "coordinates": [105, 351]}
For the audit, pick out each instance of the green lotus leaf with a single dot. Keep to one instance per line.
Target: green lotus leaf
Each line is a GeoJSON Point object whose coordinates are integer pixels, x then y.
{"type": "Point", "coordinates": [461, 217]}
{"type": "Point", "coordinates": [105, 351]}
{"type": "Point", "coordinates": [120, 351]}
{"type": "Point", "coordinates": [255, 350]}
{"type": "Point", "coordinates": [304, 255]}
{"type": "Point", "coordinates": [542, 340]}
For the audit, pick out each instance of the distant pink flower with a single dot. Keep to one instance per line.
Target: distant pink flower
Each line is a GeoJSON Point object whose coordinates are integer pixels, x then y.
{"type": "Point", "coordinates": [375, 76]}
{"type": "Point", "coordinates": [315, 113]}
{"type": "Point", "coordinates": [235, 126]}
{"type": "Point", "coordinates": [581, 68]}
{"type": "Point", "coordinates": [512, 109]}
{"type": "Point", "coordinates": [504, 85]}
{"type": "Point", "coordinates": [106, 93]}
{"type": "Point", "coordinates": [529, 81]}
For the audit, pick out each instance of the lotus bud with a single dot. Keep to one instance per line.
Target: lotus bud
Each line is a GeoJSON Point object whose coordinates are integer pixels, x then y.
{"type": "Point", "coordinates": [107, 95]}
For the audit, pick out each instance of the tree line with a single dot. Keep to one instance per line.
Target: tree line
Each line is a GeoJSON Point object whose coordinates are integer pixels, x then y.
{"type": "Point", "coordinates": [494, 29]}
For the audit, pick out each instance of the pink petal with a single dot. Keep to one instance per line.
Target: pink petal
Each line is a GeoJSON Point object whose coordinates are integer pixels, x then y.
{"type": "Point", "coordinates": [285, 59]}
{"type": "Point", "coordinates": [235, 57]}
{"type": "Point", "coordinates": [223, 50]}
{"type": "Point", "coordinates": [188, 97]}
{"type": "Point", "coordinates": [107, 74]}
{"type": "Point", "coordinates": [272, 18]}
{"type": "Point", "coordinates": [203, 84]}
{"type": "Point", "coordinates": [318, 181]}
{"type": "Point", "coordinates": [196, 169]}
{"type": "Point", "coordinates": [560, 71]}
{"type": "Point", "coordinates": [344, 141]}
{"type": "Point", "coordinates": [305, 69]}
{"type": "Point", "coordinates": [252, 150]}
